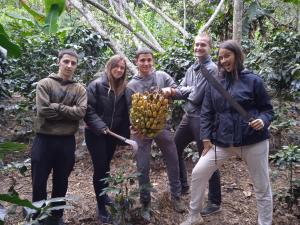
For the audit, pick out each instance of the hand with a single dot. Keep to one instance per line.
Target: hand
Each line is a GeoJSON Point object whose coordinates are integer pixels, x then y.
{"type": "Point", "coordinates": [104, 130]}
{"type": "Point", "coordinates": [257, 124]}
{"type": "Point", "coordinates": [207, 146]}
{"type": "Point", "coordinates": [136, 132]}
{"type": "Point", "coordinates": [168, 92]}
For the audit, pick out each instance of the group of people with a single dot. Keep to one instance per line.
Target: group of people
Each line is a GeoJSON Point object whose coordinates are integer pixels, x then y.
{"type": "Point", "coordinates": [217, 128]}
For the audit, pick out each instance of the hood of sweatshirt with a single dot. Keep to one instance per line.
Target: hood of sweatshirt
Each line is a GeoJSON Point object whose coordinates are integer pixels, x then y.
{"type": "Point", "coordinates": [60, 80]}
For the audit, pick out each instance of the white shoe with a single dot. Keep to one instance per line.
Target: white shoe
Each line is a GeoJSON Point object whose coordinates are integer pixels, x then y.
{"type": "Point", "coordinates": [193, 219]}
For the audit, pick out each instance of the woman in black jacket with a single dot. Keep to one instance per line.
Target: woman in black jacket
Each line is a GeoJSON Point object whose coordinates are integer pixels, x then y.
{"type": "Point", "coordinates": [108, 108]}
{"type": "Point", "coordinates": [222, 125]}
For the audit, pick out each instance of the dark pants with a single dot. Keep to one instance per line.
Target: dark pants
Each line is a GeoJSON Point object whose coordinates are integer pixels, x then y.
{"type": "Point", "coordinates": [188, 131]}
{"type": "Point", "coordinates": [50, 152]}
{"type": "Point", "coordinates": [101, 149]}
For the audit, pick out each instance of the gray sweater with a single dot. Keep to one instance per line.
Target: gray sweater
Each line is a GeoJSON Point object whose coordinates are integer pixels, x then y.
{"type": "Point", "coordinates": [192, 87]}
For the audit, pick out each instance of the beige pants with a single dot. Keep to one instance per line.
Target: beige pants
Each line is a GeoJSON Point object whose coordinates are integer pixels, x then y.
{"type": "Point", "coordinates": [256, 158]}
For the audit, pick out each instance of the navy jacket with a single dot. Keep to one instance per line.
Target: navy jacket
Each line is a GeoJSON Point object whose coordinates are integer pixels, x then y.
{"type": "Point", "coordinates": [106, 110]}
{"type": "Point", "coordinates": [223, 124]}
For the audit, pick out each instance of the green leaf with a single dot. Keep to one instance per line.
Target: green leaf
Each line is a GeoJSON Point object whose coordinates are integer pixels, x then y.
{"type": "Point", "coordinates": [51, 25]}
{"type": "Point", "coordinates": [16, 200]}
{"type": "Point", "coordinates": [36, 15]}
{"type": "Point", "coordinates": [49, 4]}
{"type": "Point", "coordinates": [13, 50]}
{"type": "Point", "coordinates": [20, 17]}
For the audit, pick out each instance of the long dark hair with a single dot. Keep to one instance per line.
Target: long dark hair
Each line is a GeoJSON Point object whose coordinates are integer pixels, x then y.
{"type": "Point", "coordinates": [234, 47]}
{"type": "Point", "coordinates": [117, 85]}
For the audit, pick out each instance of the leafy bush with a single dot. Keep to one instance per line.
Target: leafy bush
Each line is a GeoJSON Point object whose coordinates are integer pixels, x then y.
{"type": "Point", "coordinates": [278, 61]}
{"type": "Point", "coordinates": [288, 158]}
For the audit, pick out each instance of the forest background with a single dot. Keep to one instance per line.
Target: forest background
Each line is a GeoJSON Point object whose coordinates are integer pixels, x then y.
{"type": "Point", "coordinates": [32, 32]}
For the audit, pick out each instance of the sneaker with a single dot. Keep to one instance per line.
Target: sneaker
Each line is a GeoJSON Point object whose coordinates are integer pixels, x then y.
{"type": "Point", "coordinates": [185, 190]}
{"type": "Point", "coordinates": [145, 211]}
{"type": "Point", "coordinates": [193, 219]}
{"type": "Point", "coordinates": [211, 208]}
{"type": "Point", "coordinates": [178, 205]}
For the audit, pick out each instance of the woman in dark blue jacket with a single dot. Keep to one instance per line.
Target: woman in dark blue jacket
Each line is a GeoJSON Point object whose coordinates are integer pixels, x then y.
{"type": "Point", "coordinates": [222, 125]}
{"type": "Point", "coordinates": [108, 108]}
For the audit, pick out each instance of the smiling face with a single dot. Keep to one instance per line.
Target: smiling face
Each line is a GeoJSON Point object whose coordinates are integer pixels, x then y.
{"type": "Point", "coordinates": [227, 59]}
{"type": "Point", "coordinates": [67, 66]}
{"type": "Point", "coordinates": [145, 64]}
{"type": "Point", "coordinates": [118, 70]}
{"type": "Point", "coordinates": [201, 47]}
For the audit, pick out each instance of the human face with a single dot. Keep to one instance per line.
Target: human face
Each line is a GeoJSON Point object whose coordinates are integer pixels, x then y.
{"type": "Point", "coordinates": [67, 66]}
{"type": "Point", "coordinates": [201, 47]}
{"type": "Point", "coordinates": [145, 63]}
{"type": "Point", "coordinates": [227, 59]}
{"type": "Point", "coordinates": [118, 70]}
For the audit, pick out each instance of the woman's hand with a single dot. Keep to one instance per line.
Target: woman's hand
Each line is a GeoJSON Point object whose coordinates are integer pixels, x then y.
{"type": "Point", "coordinates": [257, 124]}
{"type": "Point", "coordinates": [207, 146]}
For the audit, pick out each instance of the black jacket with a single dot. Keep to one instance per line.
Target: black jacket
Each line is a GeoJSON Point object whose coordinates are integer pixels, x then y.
{"type": "Point", "coordinates": [105, 109]}
{"type": "Point", "coordinates": [223, 124]}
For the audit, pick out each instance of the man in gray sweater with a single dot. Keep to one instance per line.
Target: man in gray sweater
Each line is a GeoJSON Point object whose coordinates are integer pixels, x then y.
{"type": "Point", "coordinates": [192, 88]}
{"type": "Point", "coordinates": [61, 103]}
{"type": "Point", "coordinates": [145, 80]}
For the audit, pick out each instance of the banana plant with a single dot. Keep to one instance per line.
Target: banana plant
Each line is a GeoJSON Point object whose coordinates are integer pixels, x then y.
{"type": "Point", "coordinates": [49, 21]}
{"type": "Point", "coordinates": [13, 49]}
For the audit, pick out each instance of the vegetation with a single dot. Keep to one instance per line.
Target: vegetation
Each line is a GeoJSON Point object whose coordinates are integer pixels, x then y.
{"type": "Point", "coordinates": [33, 31]}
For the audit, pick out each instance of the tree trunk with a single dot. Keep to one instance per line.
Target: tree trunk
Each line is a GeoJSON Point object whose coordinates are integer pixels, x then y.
{"type": "Point", "coordinates": [237, 20]}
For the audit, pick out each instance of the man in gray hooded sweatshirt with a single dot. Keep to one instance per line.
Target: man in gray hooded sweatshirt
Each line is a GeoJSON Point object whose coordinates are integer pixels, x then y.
{"type": "Point", "coordinates": [145, 80]}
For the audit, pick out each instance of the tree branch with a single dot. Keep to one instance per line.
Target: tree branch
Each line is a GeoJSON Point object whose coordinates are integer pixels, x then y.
{"type": "Point", "coordinates": [122, 22]}
{"type": "Point", "coordinates": [111, 42]}
{"type": "Point", "coordinates": [168, 19]}
{"type": "Point", "coordinates": [143, 26]}
{"type": "Point", "coordinates": [211, 19]}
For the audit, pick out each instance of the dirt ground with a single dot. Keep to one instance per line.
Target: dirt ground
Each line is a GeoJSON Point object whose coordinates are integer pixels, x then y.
{"type": "Point", "coordinates": [237, 191]}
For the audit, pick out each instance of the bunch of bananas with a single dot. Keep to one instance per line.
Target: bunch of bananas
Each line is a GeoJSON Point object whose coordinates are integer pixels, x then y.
{"type": "Point", "coordinates": [149, 112]}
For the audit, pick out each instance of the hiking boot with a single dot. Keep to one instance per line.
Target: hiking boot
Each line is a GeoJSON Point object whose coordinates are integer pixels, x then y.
{"type": "Point", "coordinates": [108, 201]}
{"type": "Point", "coordinates": [103, 215]}
{"type": "Point", "coordinates": [178, 205]}
{"type": "Point", "coordinates": [53, 220]}
{"type": "Point", "coordinates": [185, 190]}
{"type": "Point", "coordinates": [193, 219]}
{"type": "Point", "coordinates": [211, 208]}
{"type": "Point", "coordinates": [145, 211]}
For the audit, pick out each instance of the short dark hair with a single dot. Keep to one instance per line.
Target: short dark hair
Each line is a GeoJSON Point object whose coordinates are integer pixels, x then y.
{"type": "Point", "coordinates": [143, 50]}
{"type": "Point", "coordinates": [68, 51]}
{"type": "Point", "coordinates": [236, 48]}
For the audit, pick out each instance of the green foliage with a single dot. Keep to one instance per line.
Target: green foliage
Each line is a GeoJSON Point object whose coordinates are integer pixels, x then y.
{"type": "Point", "coordinates": [177, 59]}
{"type": "Point", "coordinates": [278, 61]}
{"type": "Point", "coordinates": [12, 49]}
{"type": "Point", "coordinates": [9, 147]}
{"type": "Point", "coordinates": [288, 157]}
{"type": "Point", "coordinates": [124, 197]}
{"type": "Point", "coordinates": [54, 9]}
{"type": "Point", "coordinates": [39, 210]}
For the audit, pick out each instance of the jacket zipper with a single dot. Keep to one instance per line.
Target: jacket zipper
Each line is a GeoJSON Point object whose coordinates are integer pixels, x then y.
{"type": "Point", "coordinates": [114, 109]}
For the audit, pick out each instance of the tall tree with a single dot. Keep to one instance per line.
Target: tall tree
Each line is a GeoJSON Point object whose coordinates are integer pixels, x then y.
{"type": "Point", "coordinates": [237, 20]}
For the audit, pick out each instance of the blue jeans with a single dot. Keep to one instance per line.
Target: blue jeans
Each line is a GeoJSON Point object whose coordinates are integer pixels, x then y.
{"type": "Point", "coordinates": [187, 131]}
